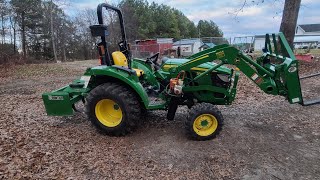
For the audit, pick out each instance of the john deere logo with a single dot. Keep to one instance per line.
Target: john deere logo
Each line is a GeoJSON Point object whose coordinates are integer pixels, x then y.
{"type": "Point", "coordinates": [220, 54]}
{"type": "Point", "coordinates": [55, 98]}
{"type": "Point", "coordinates": [292, 69]}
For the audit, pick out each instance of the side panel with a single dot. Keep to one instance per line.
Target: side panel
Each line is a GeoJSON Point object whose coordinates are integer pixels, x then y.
{"type": "Point", "coordinates": [57, 104]}
{"type": "Point", "coordinates": [61, 101]}
{"type": "Point", "coordinates": [172, 63]}
{"type": "Point", "coordinates": [292, 83]}
{"type": "Point", "coordinates": [131, 80]}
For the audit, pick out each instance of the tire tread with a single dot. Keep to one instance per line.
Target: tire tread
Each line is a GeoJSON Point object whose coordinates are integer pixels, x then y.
{"type": "Point", "coordinates": [129, 99]}
{"type": "Point", "coordinates": [195, 111]}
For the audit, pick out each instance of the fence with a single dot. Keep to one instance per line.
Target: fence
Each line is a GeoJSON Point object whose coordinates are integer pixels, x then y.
{"type": "Point", "coordinates": [244, 43]}
{"type": "Point", "coordinates": [170, 50]}
{"type": "Point", "coordinates": [144, 51]}
{"type": "Point", "coordinates": [216, 40]}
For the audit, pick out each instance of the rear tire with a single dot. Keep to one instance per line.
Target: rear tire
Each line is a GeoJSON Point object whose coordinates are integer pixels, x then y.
{"type": "Point", "coordinates": [113, 109]}
{"type": "Point", "coordinates": [204, 122]}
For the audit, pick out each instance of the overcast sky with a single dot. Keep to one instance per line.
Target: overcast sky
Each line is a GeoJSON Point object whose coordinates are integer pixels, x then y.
{"type": "Point", "coordinates": [254, 20]}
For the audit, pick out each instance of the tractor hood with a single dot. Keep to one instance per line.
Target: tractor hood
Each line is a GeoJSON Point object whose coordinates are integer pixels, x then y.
{"type": "Point", "coordinates": [170, 63]}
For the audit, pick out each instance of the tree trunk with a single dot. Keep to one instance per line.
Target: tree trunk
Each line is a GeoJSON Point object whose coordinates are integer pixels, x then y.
{"type": "Point", "coordinates": [13, 26]}
{"type": "Point", "coordinates": [14, 41]}
{"type": "Point", "coordinates": [289, 19]}
{"type": "Point", "coordinates": [3, 30]}
{"type": "Point", "coordinates": [23, 31]}
{"type": "Point", "coordinates": [10, 33]}
{"type": "Point", "coordinates": [52, 33]}
{"type": "Point", "coordinates": [64, 53]}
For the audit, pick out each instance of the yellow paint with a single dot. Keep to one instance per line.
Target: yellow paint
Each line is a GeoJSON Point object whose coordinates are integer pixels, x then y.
{"type": "Point", "coordinates": [167, 67]}
{"type": "Point", "coordinates": [120, 59]}
{"type": "Point", "coordinates": [108, 113]}
{"type": "Point", "coordinates": [199, 69]}
{"type": "Point", "coordinates": [206, 56]}
{"type": "Point", "coordinates": [205, 125]}
{"type": "Point", "coordinates": [139, 72]}
{"type": "Point", "coordinates": [220, 54]}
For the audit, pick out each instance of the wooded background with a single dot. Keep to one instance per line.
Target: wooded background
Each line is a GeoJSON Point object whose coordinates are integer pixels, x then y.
{"type": "Point", "coordinates": [41, 31]}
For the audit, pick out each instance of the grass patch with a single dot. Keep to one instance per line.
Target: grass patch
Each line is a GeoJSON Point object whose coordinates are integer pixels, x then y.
{"type": "Point", "coordinates": [33, 70]}
{"type": "Point", "coordinates": [304, 51]}
{"type": "Point", "coordinates": [37, 70]}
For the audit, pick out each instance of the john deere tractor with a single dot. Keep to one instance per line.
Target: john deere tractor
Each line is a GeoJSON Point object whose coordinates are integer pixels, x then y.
{"type": "Point", "coordinates": [122, 88]}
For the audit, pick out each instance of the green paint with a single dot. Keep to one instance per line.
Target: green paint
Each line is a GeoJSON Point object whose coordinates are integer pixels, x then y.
{"type": "Point", "coordinates": [204, 66]}
{"type": "Point", "coordinates": [121, 76]}
{"type": "Point", "coordinates": [116, 107]}
{"type": "Point", "coordinates": [204, 123]}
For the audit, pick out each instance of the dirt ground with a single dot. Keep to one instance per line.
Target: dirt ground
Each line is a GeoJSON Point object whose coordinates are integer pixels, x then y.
{"type": "Point", "coordinates": [264, 137]}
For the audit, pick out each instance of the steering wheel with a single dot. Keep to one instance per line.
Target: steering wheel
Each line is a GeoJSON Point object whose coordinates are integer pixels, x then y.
{"type": "Point", "coordinates": [121, 46]}
{"type": "Point", "coordinates": [154, 61]}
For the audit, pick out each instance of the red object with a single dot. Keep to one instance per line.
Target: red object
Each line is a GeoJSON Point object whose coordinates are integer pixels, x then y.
{"type": "Point", "coordinates": [173, 83]}
{"type": "Point", "coordinates": [152, 45]}
{"type": "Point", "coordinates": [304, 57]}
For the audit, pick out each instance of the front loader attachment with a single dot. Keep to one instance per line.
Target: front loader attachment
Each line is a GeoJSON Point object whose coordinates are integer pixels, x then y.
{"type": "Point", "coordinates": [61, 102]}
{"type": "Point", "coordinates": [276, 72]}
{"type": "Point", "coordinates": [314, 101]}
{"type": "Point", "coordinates": [279, 49]}
{"type": "Point", "coordinates": [311, 102]}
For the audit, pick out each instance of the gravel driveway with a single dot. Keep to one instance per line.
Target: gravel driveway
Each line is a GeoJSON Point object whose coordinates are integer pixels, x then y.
{"type": "Point", "coordinates": [264, 137]}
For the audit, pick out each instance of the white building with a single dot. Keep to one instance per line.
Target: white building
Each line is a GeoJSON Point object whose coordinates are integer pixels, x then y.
{"type": "Point", "coordinates": [307, 35]}
{"type": "Point", "coordinates": [305, 42]}
{"type": "Point", "coordinates": [259, 42]}
{"type": "Point", "coordinates": [308, 29]}
{"type": "Point", "coordinates": [188, 46]}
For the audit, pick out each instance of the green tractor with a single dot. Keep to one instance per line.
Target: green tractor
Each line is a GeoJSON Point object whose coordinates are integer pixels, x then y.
{"type": "Point", "coordinates": [122, 88]}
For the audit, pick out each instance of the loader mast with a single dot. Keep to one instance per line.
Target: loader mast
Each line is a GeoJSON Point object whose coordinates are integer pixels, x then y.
{"type": "Point", "coordinates": [273, 72]}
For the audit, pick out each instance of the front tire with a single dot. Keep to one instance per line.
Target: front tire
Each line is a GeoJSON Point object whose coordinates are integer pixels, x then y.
{"type": "Point", "coordinates": [204, 122]}
{"type": "Point", "coordinates": [113, 109]}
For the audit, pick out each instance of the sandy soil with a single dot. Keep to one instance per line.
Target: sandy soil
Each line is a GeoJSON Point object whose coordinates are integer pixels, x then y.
{"type": "Point", "coordinates": [264, 137]}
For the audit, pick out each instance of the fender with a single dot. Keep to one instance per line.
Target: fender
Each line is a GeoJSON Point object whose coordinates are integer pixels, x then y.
{"type": "Point", "coordinates": [115, 73]}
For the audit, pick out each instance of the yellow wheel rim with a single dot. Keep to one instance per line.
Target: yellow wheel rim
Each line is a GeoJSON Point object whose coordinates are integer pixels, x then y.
{"type": "Point", "coordinates": [205, 125]}
{"type": "Point", "coordinates": [108, 113]}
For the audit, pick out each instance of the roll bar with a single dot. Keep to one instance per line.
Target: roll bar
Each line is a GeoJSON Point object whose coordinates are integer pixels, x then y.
{"type": "Point", "coordinates": [100, 19]}
{"type": "Point", "coordinates": [123, 44]}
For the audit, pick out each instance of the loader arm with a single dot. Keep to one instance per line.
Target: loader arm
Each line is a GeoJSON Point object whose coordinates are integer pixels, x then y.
{"type": "Point", "coordinates": [280, 78]}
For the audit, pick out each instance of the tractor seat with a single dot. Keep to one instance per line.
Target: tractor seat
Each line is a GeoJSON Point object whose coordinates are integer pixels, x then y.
{"type": "Point", "coordinates": [120, 59]}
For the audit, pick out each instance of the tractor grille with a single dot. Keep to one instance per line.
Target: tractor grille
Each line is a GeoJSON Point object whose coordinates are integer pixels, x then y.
{"type": "Point", "coordinates": [220, 80]}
